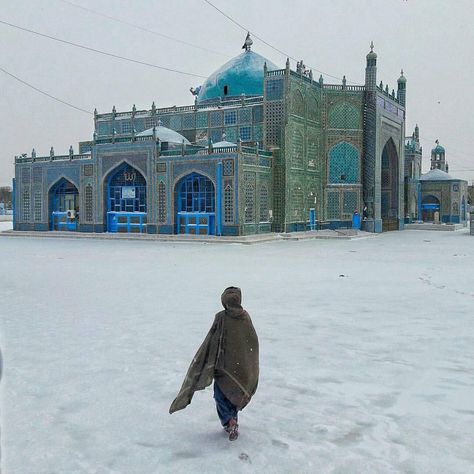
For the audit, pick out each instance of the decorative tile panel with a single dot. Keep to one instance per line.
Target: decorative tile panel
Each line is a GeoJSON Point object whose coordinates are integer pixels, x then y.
{"type": "Point", "coordinates": [274, 89]}
{"type": "Point", "coordinates": [245, 115]}
{"type": "Point", "coordinates": [343, 163]}
{"type": "Point", "coordinates": [344, 116]}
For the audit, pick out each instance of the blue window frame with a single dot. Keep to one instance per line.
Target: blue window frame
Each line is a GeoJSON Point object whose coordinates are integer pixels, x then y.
{"type": "Point", "coordinates": [65, 197]}
{"type": "Point", "coordinates": [196, 194]}
{"type": "Point", "coordinates": [127, 190]}
{"type": "Point", "coordinates": [126, 126]}
{"type": "Point", "coordinates": [245, 133]}
{"type": "Point", "coordinates": [230, 117]}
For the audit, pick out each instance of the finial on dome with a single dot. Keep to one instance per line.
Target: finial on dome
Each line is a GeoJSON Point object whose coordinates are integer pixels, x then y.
{"type": "Point", "coordinates": [372, 54]}
{"type": "Point", "coordinates": [402, 78]}
{"type": "Point", "coordinates": [248, 42]}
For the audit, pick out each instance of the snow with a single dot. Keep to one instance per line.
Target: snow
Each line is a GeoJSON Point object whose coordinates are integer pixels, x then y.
{"type": "Point", "coordinates": [6, 225]}
{"type": "Point", "coordinates": [367, 355]}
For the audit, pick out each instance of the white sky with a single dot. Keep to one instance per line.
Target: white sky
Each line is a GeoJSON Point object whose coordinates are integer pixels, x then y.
{"type": "Point", "coordinates": [432, 40]}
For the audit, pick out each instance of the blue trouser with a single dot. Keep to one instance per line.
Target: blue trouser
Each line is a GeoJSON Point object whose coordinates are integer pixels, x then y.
{"type": "Point", "coordinates": [225, 408]}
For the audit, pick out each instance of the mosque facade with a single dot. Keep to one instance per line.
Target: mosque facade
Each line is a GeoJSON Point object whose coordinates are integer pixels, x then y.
{"type": "Point", "coordinates": [261, 149]}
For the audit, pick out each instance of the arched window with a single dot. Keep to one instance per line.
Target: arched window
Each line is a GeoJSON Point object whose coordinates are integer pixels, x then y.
{"type": "Point", "coordinates": [161, 202]}
{"type": "Point", "coordinates": [344, 116]}
{"type": "Point", "coordinates": [127, 190]}
{"type": "Point", "coordinates": [228, 204]}
{"type": "Point", "coordinates": [65, 196]}
{"type": "Point", "coordinates": [343, 164]}
{"type": "Point", "coordinates": [196, 194]}
{"type": "Point", "coordinates": [249, 202]}
{"type": "Point", "coordinates": [88, 203]}
{"type": "Point", "coordinates": [26, 205]}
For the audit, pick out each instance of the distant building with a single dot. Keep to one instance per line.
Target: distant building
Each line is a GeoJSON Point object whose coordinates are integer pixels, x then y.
{"type": "Point", "coordinates": [413, 163]}
{"type": "Point", "coordinates": [443, 198]}
{"type": "Point", "coordinates": [261, 149]}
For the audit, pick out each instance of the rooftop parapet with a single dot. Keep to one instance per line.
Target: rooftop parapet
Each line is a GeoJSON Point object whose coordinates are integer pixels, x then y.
{"type": "Point", "coordinates": [216, 104]}
{"type": "Point", "coordinates": [392, 96]}
{"type": "Point", "coordinates": [38, 159]}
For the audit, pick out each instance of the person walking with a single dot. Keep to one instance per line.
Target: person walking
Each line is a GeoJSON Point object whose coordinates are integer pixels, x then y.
{"type": "Point", "coordinates": [229, 355]}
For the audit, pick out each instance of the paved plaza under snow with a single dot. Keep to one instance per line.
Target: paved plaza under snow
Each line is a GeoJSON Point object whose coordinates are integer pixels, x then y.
{"type": "Point", "coordinates": [366, 355]}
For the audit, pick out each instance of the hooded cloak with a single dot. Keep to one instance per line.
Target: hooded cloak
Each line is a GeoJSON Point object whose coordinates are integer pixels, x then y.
{"type": "Point", "coordinates": [229, 354]}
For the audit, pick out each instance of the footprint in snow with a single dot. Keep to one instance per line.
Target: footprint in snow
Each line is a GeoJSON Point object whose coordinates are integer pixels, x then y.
{"type": "Point", "coordinates": [245, 457]}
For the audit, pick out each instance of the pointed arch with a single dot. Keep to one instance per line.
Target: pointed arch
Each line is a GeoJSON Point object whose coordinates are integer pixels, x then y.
{"type": "Point", "coordinates": [297, 103]}
{"type": "Point", "coordinates": [389, 205]}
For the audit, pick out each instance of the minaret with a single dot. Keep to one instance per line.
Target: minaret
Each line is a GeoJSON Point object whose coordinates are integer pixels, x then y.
{"type": "Point", "coordinates": [402, 85]}
{"type": "Point", "coordinates": [438, 158]}
{"type": "Point", "coordinates": [371, 70]}
{"type": "Point", "coordinates": [373, 222]}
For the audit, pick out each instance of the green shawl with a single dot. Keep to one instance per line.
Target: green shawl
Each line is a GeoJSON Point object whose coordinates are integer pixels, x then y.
{"type": "Point", "coordinates": [229, 354]}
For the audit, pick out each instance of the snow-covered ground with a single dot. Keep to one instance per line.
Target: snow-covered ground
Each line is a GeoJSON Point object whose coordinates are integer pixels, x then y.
{"type": "Point", "coordinates": [367, 355]}
{"type": "Point", "coordinates": [6, 225]}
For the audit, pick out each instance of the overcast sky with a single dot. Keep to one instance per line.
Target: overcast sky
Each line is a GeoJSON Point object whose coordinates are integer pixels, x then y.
{"type": "Point", "coordinates": [432, 40]}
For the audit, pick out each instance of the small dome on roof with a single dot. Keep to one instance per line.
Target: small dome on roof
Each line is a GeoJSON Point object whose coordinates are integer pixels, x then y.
{"type": "Point", "coordinates": [402, 78]}
{"type": "Point", "coordinates": [165, 135]}
{"type": "Point", "coordinates": [241, 75]}
{"type": "Point", "coordinates": [436, 175]}
{"type": "Point", "coordinates": [223, 144]}
{"type": "Point", "coordinates": [438, 149]}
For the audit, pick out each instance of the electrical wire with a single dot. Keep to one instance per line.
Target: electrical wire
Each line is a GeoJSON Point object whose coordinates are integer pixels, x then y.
{"type": "Point", "coordinates": [142, 28]}
{"type": "Point", "coordinates": [263, 41]}
{"type": "Point", "coordinates": [98, 51]}
{"type": "Point", "coordinates": [45, 93]}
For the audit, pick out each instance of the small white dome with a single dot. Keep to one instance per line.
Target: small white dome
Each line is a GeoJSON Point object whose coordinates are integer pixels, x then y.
{"type": "Point", "coordinates": [165, 135]}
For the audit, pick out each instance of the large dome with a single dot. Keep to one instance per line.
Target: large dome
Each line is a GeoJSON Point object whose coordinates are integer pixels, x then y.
{"type": "Point", "coordinates": [241, 75]}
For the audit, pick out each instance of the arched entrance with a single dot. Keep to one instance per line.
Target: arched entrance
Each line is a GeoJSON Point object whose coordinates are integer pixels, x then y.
{"type": "Point", "coordinates": [125, 200]}
{"type": "Point", "coordinates": [429, 206]}
{"type": "Point", "coordinates": [63, 206]}
{"type": "Point", "coordinates": [389, 187]}
{"type": "Point", "coordinates": [195, 199]}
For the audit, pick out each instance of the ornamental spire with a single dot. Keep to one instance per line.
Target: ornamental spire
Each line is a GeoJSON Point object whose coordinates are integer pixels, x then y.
{"type": "Point", "coordinates": [248, 42]}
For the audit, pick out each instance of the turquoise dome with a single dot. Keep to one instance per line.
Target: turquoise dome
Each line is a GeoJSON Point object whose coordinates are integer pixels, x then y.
{"type": "Point", "coordinates": [438, 149]}
{"type": "Point", "coordinates": [241, 75]}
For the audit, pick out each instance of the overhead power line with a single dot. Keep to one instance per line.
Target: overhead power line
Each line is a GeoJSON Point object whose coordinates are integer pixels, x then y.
{"type": "Point", "coordinates": [142, 28]}
{"type": "Point", "coordinates": [98, 51]}
{"type": "Point", "coordinates": [45, 93]}
{"type": "Point", "coordinates": [263, 41]}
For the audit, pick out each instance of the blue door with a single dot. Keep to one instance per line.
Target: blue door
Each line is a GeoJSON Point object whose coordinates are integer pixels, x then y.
{"type": "Point", "coordinates": [196, 205]}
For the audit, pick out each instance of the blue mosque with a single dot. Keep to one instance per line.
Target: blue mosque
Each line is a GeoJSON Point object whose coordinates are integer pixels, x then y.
{"type": "Point", "coordinates": [261, 149]}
